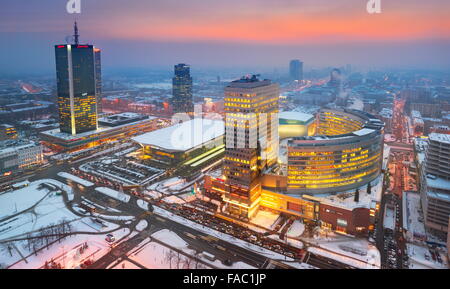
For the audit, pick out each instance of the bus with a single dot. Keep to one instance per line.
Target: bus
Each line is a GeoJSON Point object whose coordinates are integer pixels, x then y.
{"type": "Point", "coordinates": [209, 256]}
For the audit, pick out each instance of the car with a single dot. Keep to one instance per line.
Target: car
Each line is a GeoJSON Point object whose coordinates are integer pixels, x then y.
{"type": "Point", "coordinates": [110, 238]}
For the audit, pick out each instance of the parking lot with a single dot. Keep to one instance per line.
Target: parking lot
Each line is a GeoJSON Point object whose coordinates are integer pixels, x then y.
{"type": "Point", "coordinates": [122, 170]}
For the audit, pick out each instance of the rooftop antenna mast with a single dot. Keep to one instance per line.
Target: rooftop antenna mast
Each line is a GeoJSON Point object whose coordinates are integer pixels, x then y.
{"type": "Point", "coordinates": [76, 36]}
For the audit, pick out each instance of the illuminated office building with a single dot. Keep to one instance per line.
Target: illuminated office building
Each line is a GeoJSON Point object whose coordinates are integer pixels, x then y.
{"type": "Point", "coordinates": [182, 99]}
{"type": "Point", "coordinates": [251, 107]}
{"type": "Point", "coordinates": [76, 73]}
{"type": "Point", "coordinates": [346, 153]}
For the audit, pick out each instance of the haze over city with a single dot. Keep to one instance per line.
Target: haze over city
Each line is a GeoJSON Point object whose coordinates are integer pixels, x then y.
{"type": "Point", "coordinates": [254, 33]}
{"type": "Point", "coordinates": [224, 135]}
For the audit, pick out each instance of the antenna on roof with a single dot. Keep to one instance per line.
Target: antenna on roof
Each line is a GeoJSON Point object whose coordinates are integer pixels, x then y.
{"type": "Point", "coordinates": [76, 36]}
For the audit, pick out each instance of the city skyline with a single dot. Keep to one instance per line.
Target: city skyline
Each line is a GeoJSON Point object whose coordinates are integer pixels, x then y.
{"type": "Point", "coordinates": [265, 33]}
{"type": "Point", "coordinates": [199, 134]}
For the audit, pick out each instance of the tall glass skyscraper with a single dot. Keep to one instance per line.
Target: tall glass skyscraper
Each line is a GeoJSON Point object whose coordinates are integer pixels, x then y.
{"type": "Point", "coordinates": [76, 73]}
{"type": "Point", "coordinates": [182, 100]}
{"type": "Point", "coordinates": [296, 70]}
{"type": "Point", "coordinates": [251, 107]}
{"type": "Point", "coordinates": [98, 79]}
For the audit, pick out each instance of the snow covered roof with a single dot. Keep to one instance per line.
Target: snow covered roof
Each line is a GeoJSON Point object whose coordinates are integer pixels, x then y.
{"type": "Point", "coordinates": [363, 131]}
{"type": "Point", "coordinates": [439, 137]}
{"type": "Point", "coordinates": [183, 136]}
{"type": "Point", "coordinates": [302, 118]}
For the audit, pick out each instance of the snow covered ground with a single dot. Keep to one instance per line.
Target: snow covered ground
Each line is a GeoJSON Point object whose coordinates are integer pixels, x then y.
{"type": "Point", "coordinates": [412, 219]}
{"type": "Point", "coordinates": [220, 235]}
{"type": "Point", "coordinates": [114, 194]}
{"type": "Point", "coordinates": [420, 258]}
{"type": "Point", "coordinates": [265, 219]}
{"type": "Point", "coordinates": [343, 259]}
{"type": "Point", "coordinates": [41, 208]}
{"type": "Point", "coordinates": [170, 238]}
{"type": "Point", "coordinates": [296, 229]}
{"type": "Point", "coordinates": [357, 252]}
{"type": "Point", "coordinates": [157, 256]}
{"type": "Point", "coordinates": [141, 225]}
{"type": "Point", "coordinates": [389, 218]}
{"type": "Point", "coordinates": [125, 265]}
{"type": "Point", "coordinates": [75, 179]}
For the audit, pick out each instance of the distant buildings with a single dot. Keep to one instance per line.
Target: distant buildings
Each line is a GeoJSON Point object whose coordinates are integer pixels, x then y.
{"type": "Point", "coordinates": [98, 79]}
{"type": "Point", "coordinates": [386, 116]}
{"type": "Point", "coordinates": [435, 183]}
{"type": "Point", "coordinates": [20, 156]}
{"type": "Point", "coordinates": [182, 98]}
{"type": "Point", "coordinates": [7, 132]}
{"type": "Point", "coordinates": [296, 70]}
{"type": "Point", "coordinates": [335, 78]}
{"type": "Point", "coordinates": [111, 128]}
{"type": "Point", "coordinates": [77, 72]}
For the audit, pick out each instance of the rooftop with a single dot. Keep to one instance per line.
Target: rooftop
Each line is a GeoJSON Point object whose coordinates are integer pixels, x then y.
{"type": "Point", "coordinates": [293, 117]}
{"type": "Point", "coordinates": [101, 129]}
{"type": "Point", "coordinates": [183, 136]}
{"type": "Point", "coordinates": [249, 82]}
{"type": "Point", "coordinates": [122, 118]}
{"type": "Point", "coordinates": [438, 183]}
{"type": "Point", "coordinates": [439, 137]}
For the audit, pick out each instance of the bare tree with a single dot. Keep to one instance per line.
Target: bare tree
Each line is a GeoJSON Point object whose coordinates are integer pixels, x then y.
{"type": "Point", "coordinates": [188, 262]}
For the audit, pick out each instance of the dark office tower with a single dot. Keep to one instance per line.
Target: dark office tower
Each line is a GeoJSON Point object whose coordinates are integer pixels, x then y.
{"type": "Point", "coordinates": [98, 79]}
{"type": "Point", "coordinates": [76, 86]}
{"type": "Point", "coordinates": [296, 70]}
{"type": "Point", "coordinates": [335, 78]}
{"type": "Point", "coordinates": [182, 99]}
{"type": "Point", "coordinates": [251, 120]}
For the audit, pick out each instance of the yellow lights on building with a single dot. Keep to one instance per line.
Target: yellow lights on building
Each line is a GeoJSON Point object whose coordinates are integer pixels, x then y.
{"type": "Point", "coordinates": [333, 163]}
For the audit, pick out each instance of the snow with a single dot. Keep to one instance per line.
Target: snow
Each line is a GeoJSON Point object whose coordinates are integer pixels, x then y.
{"type": "Point", "coordinates": [22, 199]}
{"type": "Point", "coordinates": [389, 218]}
{"type": "Point", "coordinates": [63, 252]}
{"type": "Point", "coordinates": [174, 200]}
{"type": "Point", "coordinates": [220, 235]}
{"type": "Point", "coordinates": [296, 229]}
{"type": "Point", "coordinates": [125, 265]}
{"type": "Point", "coordinates": [358, 252]}
{"type": "Point", "coordinates": [142, 204]}
{"type": "Point", "coordinates": [154, 256]}
{"type": "Point", "coordinates": [343, 259]}
{"type": "Point", "coordinates": [265, 219]}
{"type": "Point", "coordinates": [141, 225]}
{"type": "Point", "coordinates": [75, 179]}
{"type": "Point", "coordinates": [114, 194]}
{"type": "Point", "coordinates": [183, 136]}
{"type": "Point", "coordinates": [170, 238]}
{"type": "Point", "coordinates": [40, 208]}
{"type": "Point", "coordinates": [417, 258]}
{"type": "Point", "coordinates": [411, 217]}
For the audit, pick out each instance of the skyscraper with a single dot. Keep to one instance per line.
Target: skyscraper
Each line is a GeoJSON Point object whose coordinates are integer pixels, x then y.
{"type": "Point", "coordinates": [182, 99]}
{"type": "Point", "coordinates": [76, 86]}
{"type": "Point", "coordinates": [98, 79]}
{"type": "Point", "coordinates": [296, 70]}
{"type": "Point", "coordinates": [251, 107]}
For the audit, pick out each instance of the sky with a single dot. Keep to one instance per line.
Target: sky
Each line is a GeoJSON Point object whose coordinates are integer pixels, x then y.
{"type": "Point", "coordinates": [232, 33]}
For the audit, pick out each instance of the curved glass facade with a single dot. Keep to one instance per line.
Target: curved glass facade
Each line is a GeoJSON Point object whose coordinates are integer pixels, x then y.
{"type": "Point", "coordinates": [347, 157]}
